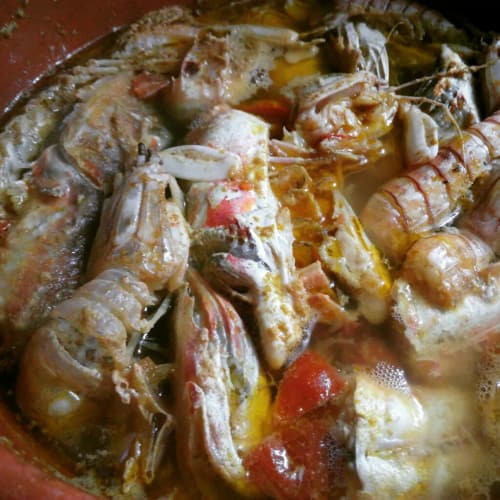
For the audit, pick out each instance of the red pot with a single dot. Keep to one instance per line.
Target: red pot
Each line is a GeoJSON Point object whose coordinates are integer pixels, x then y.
{"type": "Point", "coordinates": [44, 33]}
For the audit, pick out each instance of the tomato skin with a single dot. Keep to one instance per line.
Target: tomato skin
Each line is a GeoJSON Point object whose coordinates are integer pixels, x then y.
{"type": "Point", "coordinates": [309, 382]}
{"type": "Point", "coordinates": [301, 461]}
{"type": "Point", "coordinates": [270, 469]}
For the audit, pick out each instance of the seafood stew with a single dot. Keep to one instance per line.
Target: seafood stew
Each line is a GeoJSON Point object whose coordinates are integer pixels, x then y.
{"type": "Point", "coordinates": [250, 250]}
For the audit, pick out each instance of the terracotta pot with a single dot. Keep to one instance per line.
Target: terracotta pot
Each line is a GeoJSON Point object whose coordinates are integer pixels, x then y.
{"type": "Point", "coordinates": [44, 34]}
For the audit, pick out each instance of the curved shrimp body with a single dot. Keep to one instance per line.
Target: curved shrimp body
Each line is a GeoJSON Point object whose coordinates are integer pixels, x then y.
{"type": "Point", "coordinates": [443, 267]}
{"type": "Point", "coordinates": [66, 370]}
{"type": "Point", "coordinates": [244, 240]}
{"type": "Point", "coordinates": [429, 197]}
{"type": "Point", "coordinates": [64, 193]}
{"type": "Point", "coordinates": [82, 355]}
{"type": "Point", "coordinates": [414, 442]}
{"type": "Point", "coordinates": [223, 399]}
{"type": "Point", "coordinates": [345, 115]}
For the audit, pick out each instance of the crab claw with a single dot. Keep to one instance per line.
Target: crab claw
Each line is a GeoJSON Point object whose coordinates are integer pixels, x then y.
{"type": "Point", "coordinates": [222, 394]}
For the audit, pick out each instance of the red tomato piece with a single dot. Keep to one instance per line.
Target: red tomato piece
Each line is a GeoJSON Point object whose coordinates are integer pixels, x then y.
{"type": "Point", "coordinates": [307, 384]}
{"type": "Point", "coordinates": [300, 462]}
{"type": "Point", "coordinates": [270, 469]}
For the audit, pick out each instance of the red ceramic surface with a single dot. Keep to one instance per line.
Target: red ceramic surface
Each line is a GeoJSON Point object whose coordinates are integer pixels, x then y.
{"type": "Point", "coordinates": [48, 31]}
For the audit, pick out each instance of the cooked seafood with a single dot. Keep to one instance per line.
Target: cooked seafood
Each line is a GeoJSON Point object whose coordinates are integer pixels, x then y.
{"type": "Point", "coordinates": [249, 237]}
{"type": "Point", "coordinates": [345, 115]}
{"type": "Point", "coordinates": [45, 243]}
{"type": "Point", "coordinates": [484, 218]}
{"type": "Point", "coordinates": [83, 355]}
{"type": "Point", "coordinates": [452, 99]}
{"type": "Point", "coordinates": [356, 263]}
{"type": "Point", "coordinates": [436, 336]}
{"type": "Point", "coordinates": [410, 440]}
{"type": "Point", "coordinates": [251, 250]}
{"type": "Point", "coordinates": [431, 196]}
{"type": "Point", "coordinates": [223, 398]}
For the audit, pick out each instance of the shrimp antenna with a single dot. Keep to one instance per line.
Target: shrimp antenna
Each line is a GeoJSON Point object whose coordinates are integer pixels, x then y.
{"type": "Point", "coordinates": [440, 74]}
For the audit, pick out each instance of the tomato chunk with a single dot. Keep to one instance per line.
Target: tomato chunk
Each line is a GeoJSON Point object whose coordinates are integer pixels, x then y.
{"type": "Point", "coordinates": [309, 382]}
{"type": "Point", "coordinates": [301, 461]}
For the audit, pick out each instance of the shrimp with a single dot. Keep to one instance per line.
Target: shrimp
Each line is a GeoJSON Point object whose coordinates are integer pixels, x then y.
{"type": "Point", "coordinates": [358, 47]}
{"type": "Point", "coordinates": [483, 219]}
{"type": "Point", "coordinates": [156, 44]}
{"type": "Point", "coordinates": [414, 19]}
{"type": "Point", "coordinates": [45, 245]}
{"type": "Point", "coordinates": [345, 115]}
{"type": "Point", "coordinates": [229, 64]}
{"type": "Point", "coordinates": [78, 370]}
{"type": "Point", "coordinates": [444, 266]}
{"type": "Point", "coordinates": [222, 395]}
{"type": "Point", "coordinates": [241, 238]}
{"type": "Point", "coordinates": [431, 196]}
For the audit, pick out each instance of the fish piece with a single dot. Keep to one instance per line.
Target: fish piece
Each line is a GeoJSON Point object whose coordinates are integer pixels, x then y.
{"type": "Point", "coordinates": [356, 263]}
{"type": "Point", "coordinates": [434, 338]}
{"type": "Point", "coordinates": [413, 442]}
{"type": "Point", "coordinates": [222, 395]}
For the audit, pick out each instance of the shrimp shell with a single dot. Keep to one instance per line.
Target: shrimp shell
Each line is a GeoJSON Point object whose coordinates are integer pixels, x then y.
{"type": "Point", "coordinates": [66, 370]}
{"type": "Point", "coordinates": [429, 197]}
